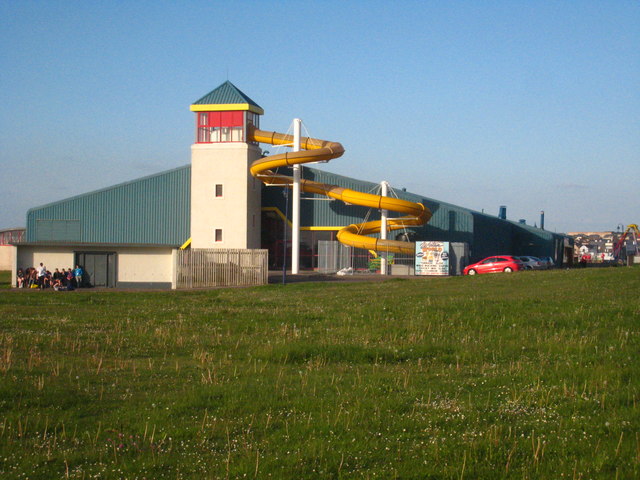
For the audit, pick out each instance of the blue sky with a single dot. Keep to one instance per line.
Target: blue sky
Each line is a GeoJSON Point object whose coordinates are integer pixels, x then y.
{"type": "Point", "coordinates": [533, 105]}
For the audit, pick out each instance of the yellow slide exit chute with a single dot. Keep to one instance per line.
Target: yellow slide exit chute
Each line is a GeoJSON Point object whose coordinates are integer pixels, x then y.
{"type": "Point", "coordinates": [355, 235]}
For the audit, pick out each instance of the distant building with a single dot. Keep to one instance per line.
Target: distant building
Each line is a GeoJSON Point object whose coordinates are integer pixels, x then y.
{"type": "Point", "coordinates": [127, 235]}
{"type": "Point", "coordinates": [596, 244]}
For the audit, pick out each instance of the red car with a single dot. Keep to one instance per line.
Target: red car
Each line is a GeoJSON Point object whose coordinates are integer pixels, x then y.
{"type": "Point", "coordinates": [495, 264]}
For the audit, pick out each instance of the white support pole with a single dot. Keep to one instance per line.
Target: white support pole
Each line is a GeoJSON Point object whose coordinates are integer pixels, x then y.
{"type": "Point", "coordinates": [295, 214]}
{"type": "Point", "coordinates": [384, 186]}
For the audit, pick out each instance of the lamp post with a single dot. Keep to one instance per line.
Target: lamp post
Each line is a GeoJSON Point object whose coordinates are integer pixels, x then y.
{"type": "Point", "coordinates": [295, 211]}
{"type": "Point", "coordinates": [383, 228]}
{"type": "Point", "coordinates": [285, 193]}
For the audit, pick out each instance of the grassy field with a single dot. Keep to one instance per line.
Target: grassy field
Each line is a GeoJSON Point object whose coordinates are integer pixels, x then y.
{"type": "Point", "coordinates": [530, 375]}
{"type": "Point", "coordinates": [5, 279]}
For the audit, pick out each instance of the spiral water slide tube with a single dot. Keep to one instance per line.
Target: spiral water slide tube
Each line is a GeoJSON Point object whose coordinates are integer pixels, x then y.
{"type": "Point", "coordinates": [355, 235]}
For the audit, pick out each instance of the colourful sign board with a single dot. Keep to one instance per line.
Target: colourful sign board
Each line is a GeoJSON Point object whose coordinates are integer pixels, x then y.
{"type": "Point", "coordinates": [432, 258]}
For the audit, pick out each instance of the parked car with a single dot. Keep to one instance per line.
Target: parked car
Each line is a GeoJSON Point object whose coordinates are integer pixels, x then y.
{"type": "Point", "coordinates": [531, 263]}
{"type": "Point", "coordinates": [548, 262]}
{"type": "Point", "coordinates": [495, 264]}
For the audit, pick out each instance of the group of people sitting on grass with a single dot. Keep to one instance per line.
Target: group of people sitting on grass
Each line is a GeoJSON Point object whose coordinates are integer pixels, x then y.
{"type": "Point", "coordinates": [40, 277]}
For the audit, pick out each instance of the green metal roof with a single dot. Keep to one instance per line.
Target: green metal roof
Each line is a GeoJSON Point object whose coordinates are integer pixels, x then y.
{"type": "Point", "coordinates": [153, 210]}
{"type": "Point", "coordinates": [226, 94]}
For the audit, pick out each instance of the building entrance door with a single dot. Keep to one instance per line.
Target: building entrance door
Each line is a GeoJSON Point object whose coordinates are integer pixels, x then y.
{"type": "Point", "coordinates": [99, 268]}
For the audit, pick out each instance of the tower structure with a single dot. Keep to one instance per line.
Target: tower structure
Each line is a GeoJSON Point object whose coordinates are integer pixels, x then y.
{"type": "Point", "coordinates": [225, 198]}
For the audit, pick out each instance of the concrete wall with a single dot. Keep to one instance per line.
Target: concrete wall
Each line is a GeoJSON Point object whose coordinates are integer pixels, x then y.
{"type": "Point", "coordinates": [237, 212]}
{"type": "Point", "coordinates": [136, 267]}
{"type": "Point", "coordinates": [7, 257]}
{"type": "Point", "coordinates": [52, 257]}
{"type": "Point", "coordinates": [145, 267]}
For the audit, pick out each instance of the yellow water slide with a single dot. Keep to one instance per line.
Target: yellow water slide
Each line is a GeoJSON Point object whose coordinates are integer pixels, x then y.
{"type": "Point", "coordinates": [314, 150]}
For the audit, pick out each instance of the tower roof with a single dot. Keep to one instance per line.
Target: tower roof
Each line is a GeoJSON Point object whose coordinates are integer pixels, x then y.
{"type": "Point", "coordinates": [225, 98]}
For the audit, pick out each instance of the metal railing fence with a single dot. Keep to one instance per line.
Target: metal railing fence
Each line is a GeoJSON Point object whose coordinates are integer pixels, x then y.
{"type": "Point", "coordinates": [196, 268]}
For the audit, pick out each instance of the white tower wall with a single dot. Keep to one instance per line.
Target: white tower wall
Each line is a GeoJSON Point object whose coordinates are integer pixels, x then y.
{"type": "Point", "coordinates": [237, 212]}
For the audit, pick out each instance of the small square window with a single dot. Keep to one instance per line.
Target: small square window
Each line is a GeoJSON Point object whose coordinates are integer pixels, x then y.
{"type": "Point", "coordinates": [218, 235]}
{"type": "Point", "coordinates": [218, 190]}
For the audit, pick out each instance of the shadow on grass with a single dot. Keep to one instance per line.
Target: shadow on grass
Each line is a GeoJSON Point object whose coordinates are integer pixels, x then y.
{"type": "Point", "coordinates": [5, 279]}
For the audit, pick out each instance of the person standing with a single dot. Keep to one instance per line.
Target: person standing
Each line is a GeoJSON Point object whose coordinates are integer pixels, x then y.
{"type": "Point", "coordinates": [77, 272]}
{"type": "Point", "coordinates": [41, 270]}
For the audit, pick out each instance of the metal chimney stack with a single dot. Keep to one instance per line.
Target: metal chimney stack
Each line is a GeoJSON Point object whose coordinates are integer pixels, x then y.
{"type": "Point", "coordinates": [503, 212]}
{"type": "Point", "coordinates": [542, 220]}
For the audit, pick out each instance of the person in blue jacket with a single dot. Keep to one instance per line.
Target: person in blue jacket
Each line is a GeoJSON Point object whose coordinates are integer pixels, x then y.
{"type": "Point", "coordinates": [77, 272]}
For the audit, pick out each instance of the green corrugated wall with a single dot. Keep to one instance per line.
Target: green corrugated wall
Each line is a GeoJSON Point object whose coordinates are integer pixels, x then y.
{"type": "Point", "coordinates": [486, 234]}
{"type": "Point", "coordinates": [149, 210]}
{"type": "Point", "coordinates": [449, 222]}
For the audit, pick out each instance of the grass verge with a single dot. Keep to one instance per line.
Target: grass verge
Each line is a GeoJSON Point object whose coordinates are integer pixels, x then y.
{"type": "Point", "coordinates": [5, 279]}
{"type": "Point", "coordinates": [531, 375]}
